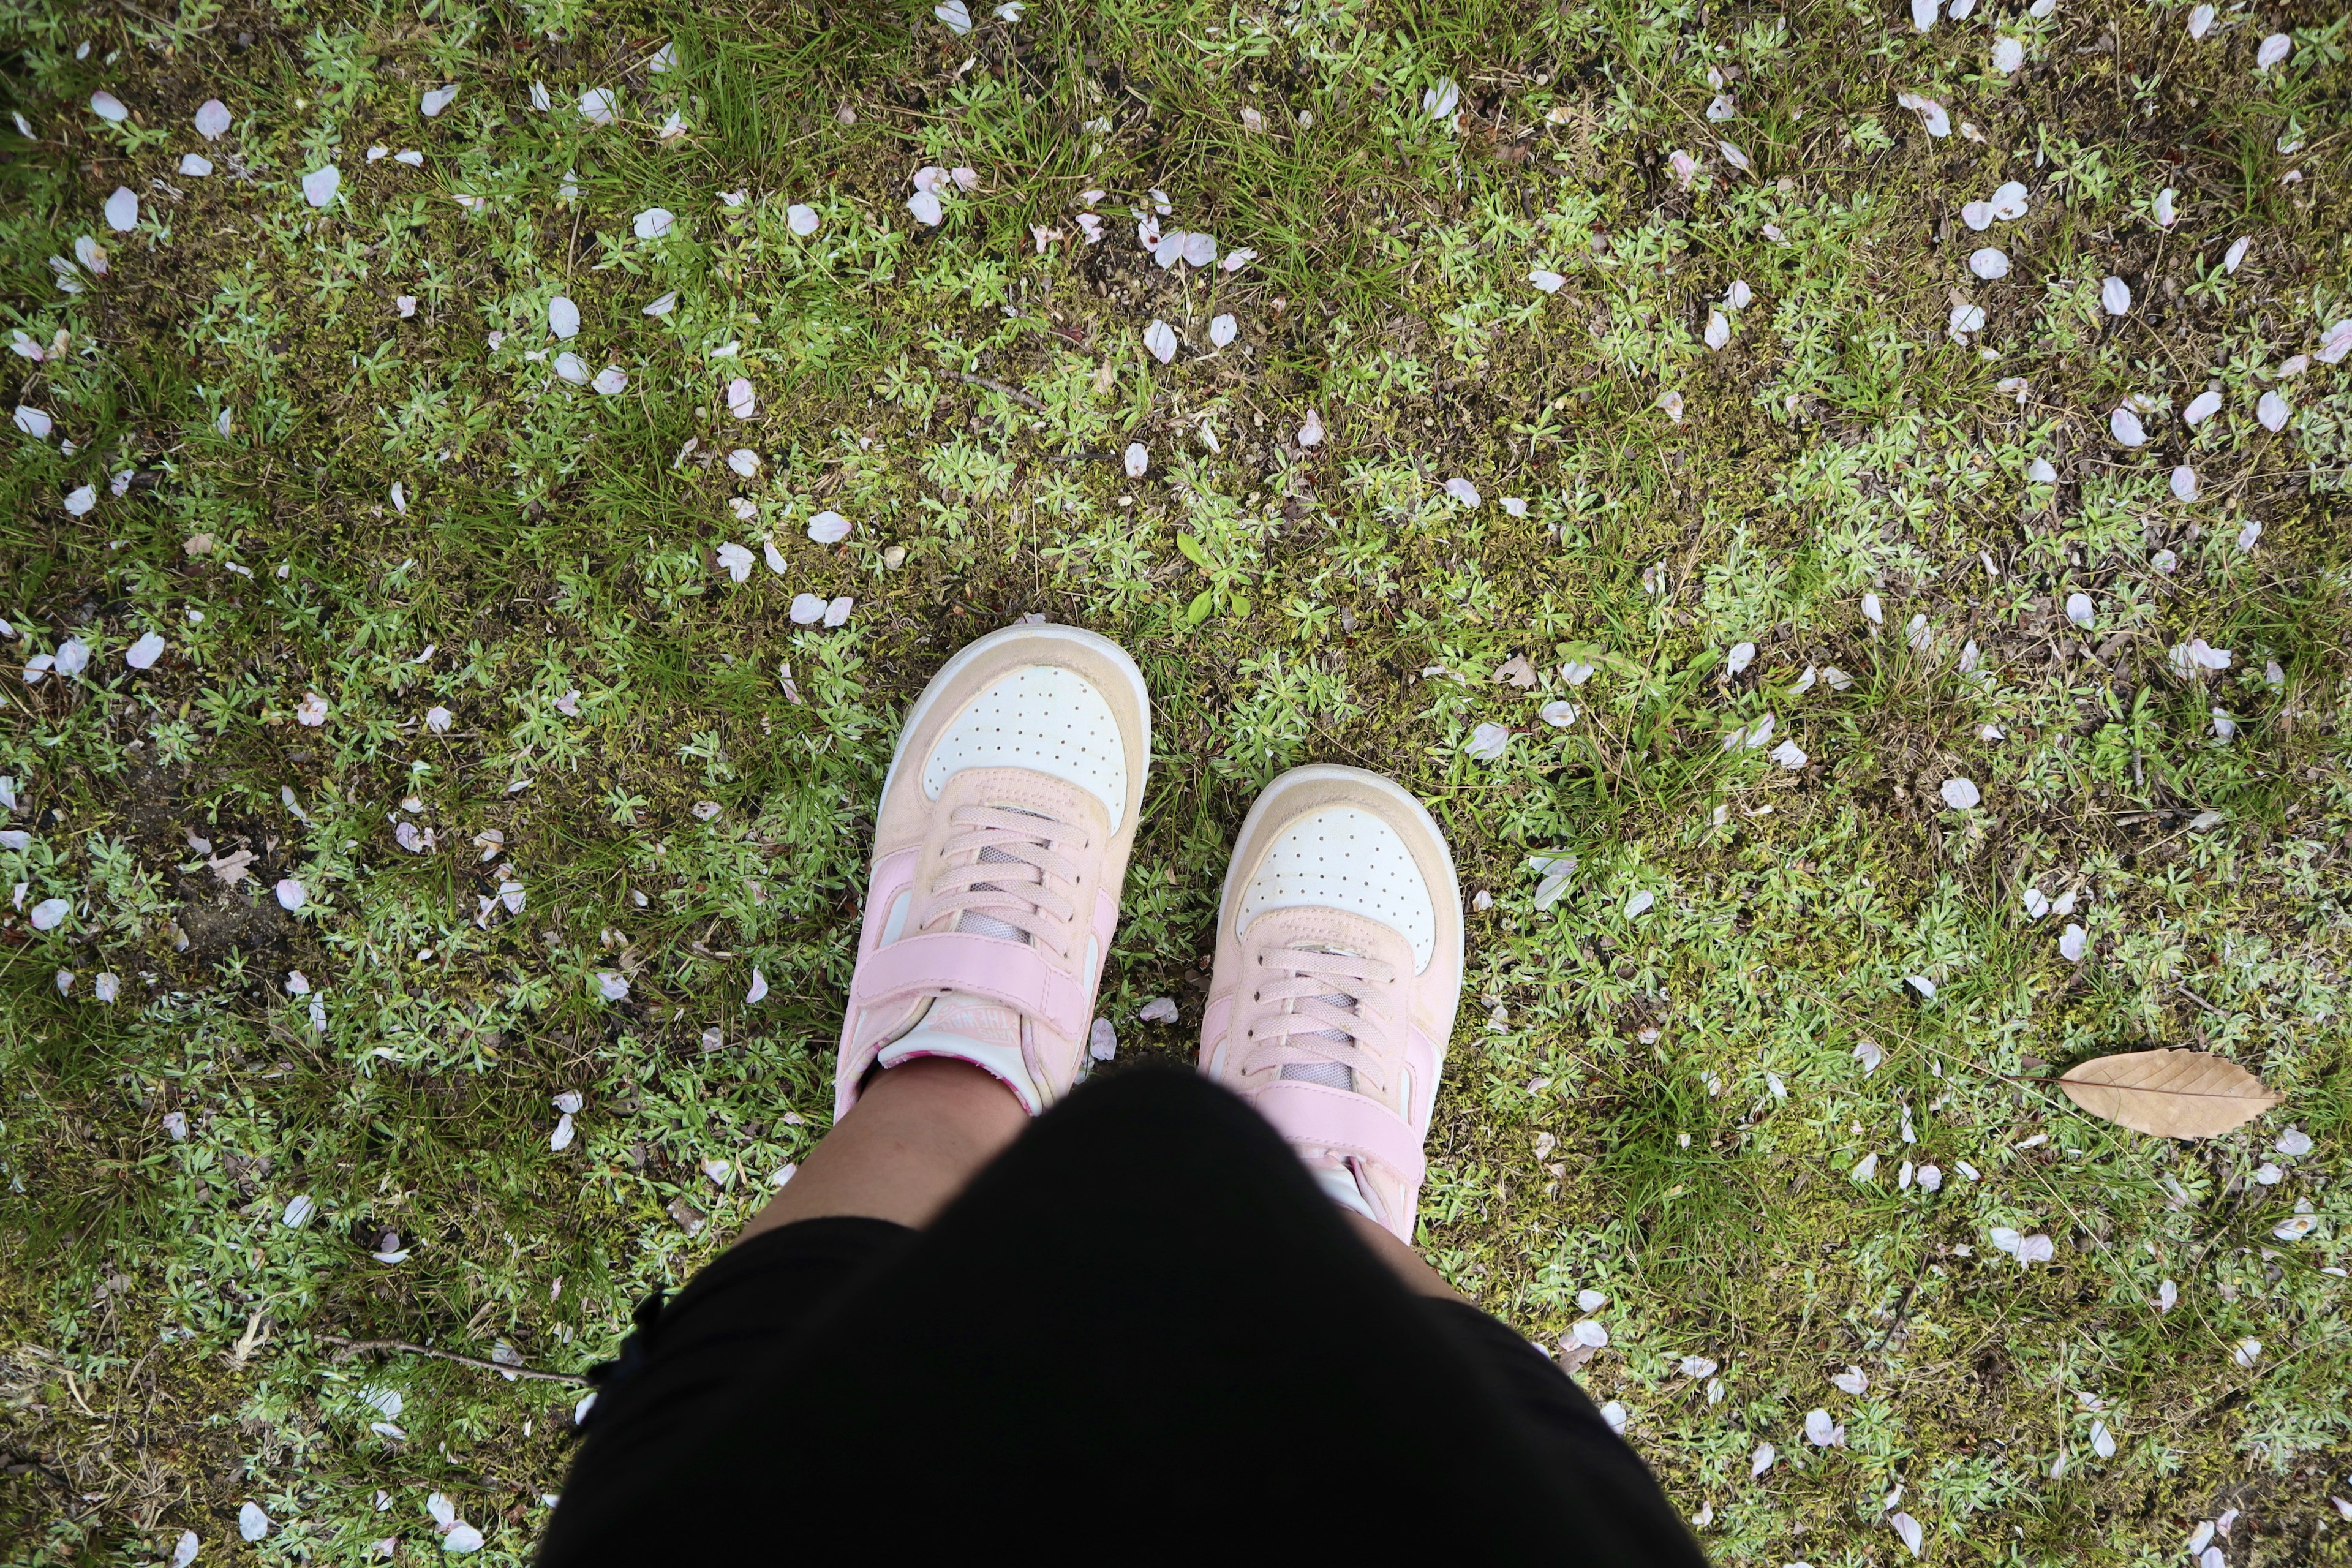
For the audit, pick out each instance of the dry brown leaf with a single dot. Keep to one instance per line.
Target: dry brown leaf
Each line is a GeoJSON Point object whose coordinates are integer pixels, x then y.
{"type": "Point", "coordinates": [1517, 672]}
{"type": "Point", "coordinates": [2172, 1094]}
{"type": "Point", "coordinates": [231, 867]}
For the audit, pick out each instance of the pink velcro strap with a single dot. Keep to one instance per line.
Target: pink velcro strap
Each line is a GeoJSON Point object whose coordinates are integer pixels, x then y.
{"type": "Point", "coordinates": [1003, 971]}
{"type": "Point", "coordinates": [1345, 1123]}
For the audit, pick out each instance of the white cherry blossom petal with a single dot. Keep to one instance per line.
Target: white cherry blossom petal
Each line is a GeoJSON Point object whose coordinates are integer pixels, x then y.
{"type": "Point", "coordinates": [1908, 1529]}
{"type": "Point", "coordinates": [1932, 115]}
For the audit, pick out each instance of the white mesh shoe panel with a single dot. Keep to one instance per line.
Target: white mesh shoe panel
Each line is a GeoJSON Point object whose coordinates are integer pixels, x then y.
{"type": "Point", "coordinates": [1047, 719]}
{"type": "Point", "coordinates": [1343, 858]}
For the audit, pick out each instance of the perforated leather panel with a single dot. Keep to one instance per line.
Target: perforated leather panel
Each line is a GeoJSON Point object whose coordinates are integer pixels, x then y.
{"type": "Point", "coordinates": [1047, 719]}
{"type": "Point", "coordinates": [1343, 858]}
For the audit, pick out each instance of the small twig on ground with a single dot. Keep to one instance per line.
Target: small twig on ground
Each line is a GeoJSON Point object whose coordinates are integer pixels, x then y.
{"type": "Point", "coordinates": [1900, 1308]}
{"type": "Point", "coordinates": [1014, 393]}
{"type": "Point", "coordinates": [385, 1347]}
{"type": "Point", "coordinates": [2201, 1002]}
{"type": "Point", "coordinates": [75, 1389]}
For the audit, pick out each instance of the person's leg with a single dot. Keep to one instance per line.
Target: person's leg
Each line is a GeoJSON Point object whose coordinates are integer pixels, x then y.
{"type": "Point", "coordinates": [1144, 1332]}
{"type": "Point", "coordinates": [1000, 846]}
{"type": "Point", "coordinates": [1411, 1270]}
{"type": "Point", "coordinates": [1115, 1327]}
{"type": "Point", "coordinates": [1000, 843]}
{"type": "Point", "coordinates": [913, 1141]}
{"type": "Point", "coordinates": [1339, 967]}
{"type": "Point", "coordinates": [921, 1131]}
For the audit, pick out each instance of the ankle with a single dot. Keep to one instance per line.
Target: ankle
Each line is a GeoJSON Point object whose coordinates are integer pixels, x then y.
{"type": "Point", "coordinates": [915, 1138]}
{"type": "Point", "coordinates": [947, 1088]}
{"type": "Point", "coordinates": [1410, 1269]}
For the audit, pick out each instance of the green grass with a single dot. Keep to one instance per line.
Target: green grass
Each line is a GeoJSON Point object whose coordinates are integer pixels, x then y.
{"type": "Point", "coordinates": [1690, 1075]}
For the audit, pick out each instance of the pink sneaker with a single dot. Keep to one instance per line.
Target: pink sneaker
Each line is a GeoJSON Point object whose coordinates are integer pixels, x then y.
{"type": "Point", "coordinates": [999, 853]}
{"type": "Point", "coordinates": [1338, 965]}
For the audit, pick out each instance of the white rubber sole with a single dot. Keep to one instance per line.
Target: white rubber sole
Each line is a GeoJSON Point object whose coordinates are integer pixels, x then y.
{"type": "Point", "coordinates": [1042, 635]}
{"type": "Point", "coordinates": [1378, 783]}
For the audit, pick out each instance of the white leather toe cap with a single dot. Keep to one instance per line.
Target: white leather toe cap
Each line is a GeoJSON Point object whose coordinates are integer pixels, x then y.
{"type": "Point", "coordinates": [1047, 719]}
{"type": "Point", "coordinates": [1340, 857]}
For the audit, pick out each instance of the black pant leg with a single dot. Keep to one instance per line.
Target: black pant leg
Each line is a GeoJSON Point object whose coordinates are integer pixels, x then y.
{"type": "Point", "coordinates": [688, 1358]}
{"type": "Point", "coordinates": [1143, 1333]}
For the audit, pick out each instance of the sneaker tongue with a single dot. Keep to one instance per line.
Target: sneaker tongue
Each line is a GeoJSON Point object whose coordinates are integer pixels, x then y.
{"type": "Point", "coordinates": [972, 1019]}
{"type": "Point", "coordinates": [979, 924]}
{"type": "Point", "coordinates": [972, 1029]}
{"type": "Point", "coordinates": [1327, 1075]}
{"type": "Point", "coordinates": [1338, 1183]}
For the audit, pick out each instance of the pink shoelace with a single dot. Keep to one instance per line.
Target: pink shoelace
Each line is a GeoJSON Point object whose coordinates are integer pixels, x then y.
{"type": "Point", "coordinates": [1311, 1008]}
{"type": "Point", "coordinates": [1016, 883]}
